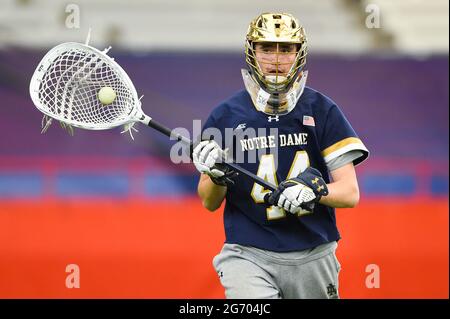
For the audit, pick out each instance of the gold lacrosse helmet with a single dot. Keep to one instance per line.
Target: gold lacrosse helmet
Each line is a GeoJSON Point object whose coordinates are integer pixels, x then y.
{"type": "Point", "coordinates": [276, 28]}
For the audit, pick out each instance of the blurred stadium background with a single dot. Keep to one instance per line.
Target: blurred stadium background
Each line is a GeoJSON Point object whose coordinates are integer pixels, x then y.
{"type": "Point", "coordinates": [130, 219]}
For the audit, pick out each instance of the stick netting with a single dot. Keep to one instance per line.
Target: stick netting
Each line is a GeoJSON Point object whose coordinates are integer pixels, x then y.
{"type": "Point", "coordinates": [69, 90]}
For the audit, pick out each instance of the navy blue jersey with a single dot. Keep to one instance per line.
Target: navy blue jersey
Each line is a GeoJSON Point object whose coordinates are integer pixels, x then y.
{"type": "Point", "coordinates": [276, 148]}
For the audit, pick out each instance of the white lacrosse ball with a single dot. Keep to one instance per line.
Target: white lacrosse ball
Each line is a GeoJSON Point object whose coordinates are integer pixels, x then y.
{"type": "Point", "coordinates": [106, 95]}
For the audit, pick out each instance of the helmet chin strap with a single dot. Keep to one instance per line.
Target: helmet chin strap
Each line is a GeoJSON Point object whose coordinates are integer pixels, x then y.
{"type": "Point", "coordinates": [275, 79]}
{"type": "Point", "coordinates": [278, 103]}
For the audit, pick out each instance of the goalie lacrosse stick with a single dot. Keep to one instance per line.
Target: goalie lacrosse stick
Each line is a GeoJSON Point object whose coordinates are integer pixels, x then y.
{"type": "Point", "coordinates": [66, 84]}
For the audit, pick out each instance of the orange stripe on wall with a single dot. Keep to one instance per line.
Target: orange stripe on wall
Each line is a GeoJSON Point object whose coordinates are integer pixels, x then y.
{"type": "Point", "coordinates": [164, 249]}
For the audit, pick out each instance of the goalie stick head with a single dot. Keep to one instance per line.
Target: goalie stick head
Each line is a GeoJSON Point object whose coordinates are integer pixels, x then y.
{"type": "Point", "coordinates": [66, 83]}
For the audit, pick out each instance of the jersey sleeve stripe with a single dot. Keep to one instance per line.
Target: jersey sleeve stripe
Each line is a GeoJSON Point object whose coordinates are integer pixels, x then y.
{"type": "Point", "coordinates": [342, 147]}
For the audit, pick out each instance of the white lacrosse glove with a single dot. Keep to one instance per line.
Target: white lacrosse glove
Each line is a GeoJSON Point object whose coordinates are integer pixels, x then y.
{"type": "Point", "coordinates": [293, 197]}
{"type": "Point", "coordinates": [300, 194]}
{"type": "Point", "coordinates": [208, 157]}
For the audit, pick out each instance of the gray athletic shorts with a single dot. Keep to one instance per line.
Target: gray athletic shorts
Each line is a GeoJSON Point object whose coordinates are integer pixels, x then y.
{"type": "Point", "coordinates": [249, 272]}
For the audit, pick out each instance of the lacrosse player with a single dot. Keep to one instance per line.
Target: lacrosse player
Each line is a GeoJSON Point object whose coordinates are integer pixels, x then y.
{"type": "Point", "coordinates": [279, 244]}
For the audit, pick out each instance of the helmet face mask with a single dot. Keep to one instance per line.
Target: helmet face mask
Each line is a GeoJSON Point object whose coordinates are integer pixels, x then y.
{"type": "Point", "coordinates": [275, 49]}
{"type": "Point", "coordinates": [275, 65]}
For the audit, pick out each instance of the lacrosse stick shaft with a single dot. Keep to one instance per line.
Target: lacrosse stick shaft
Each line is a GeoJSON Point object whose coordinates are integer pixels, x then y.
{"type": "Point", "coordinates": [166, 131]}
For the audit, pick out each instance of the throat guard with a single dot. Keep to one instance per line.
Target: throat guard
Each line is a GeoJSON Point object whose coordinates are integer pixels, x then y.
{"type": "Point", "coordinates": [274, 103]}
